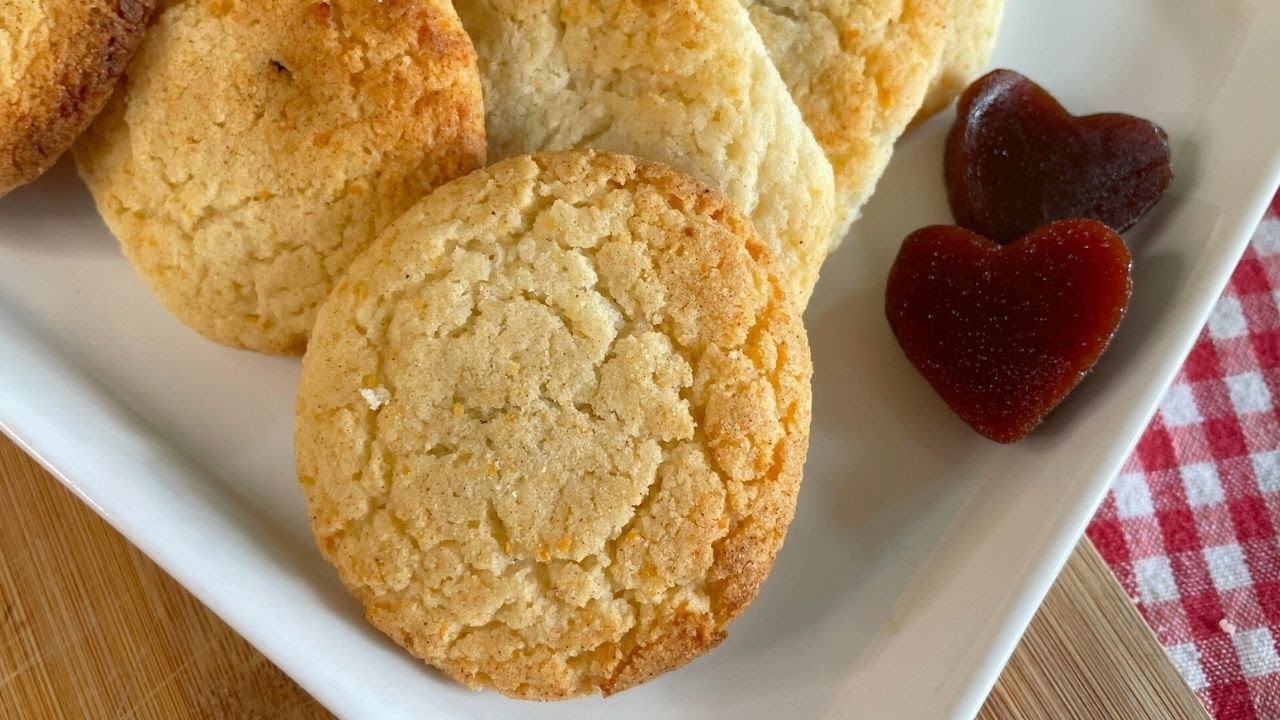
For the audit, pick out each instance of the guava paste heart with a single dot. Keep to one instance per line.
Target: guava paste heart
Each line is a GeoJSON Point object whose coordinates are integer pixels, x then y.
{"type": "Point", "coordinates": [1016, 160]}
{"type": "Point", "coordinates": [1004, 332]}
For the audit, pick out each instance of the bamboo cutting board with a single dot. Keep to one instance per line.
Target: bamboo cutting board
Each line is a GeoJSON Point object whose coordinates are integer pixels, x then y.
{"type": "Point", "coordinates": [90, 628]}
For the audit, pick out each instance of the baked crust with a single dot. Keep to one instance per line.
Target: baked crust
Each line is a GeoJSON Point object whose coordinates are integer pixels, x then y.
{"type": "Point", "coordinates": [258, 145]}
{"type": "Point", "coordinates": [552, 424]}
{"type": "Point", "coordinates": [59, 61]}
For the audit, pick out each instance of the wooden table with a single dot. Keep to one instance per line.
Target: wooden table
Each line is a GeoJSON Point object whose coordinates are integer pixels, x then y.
{"type": "Point", "coordinates": [90, 628]}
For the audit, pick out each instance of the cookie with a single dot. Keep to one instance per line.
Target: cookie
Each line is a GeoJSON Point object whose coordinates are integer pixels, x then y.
{"type": "Point", "coordinates": [970, 40]}
{"type": "Point", "coordinates": [258, 145]}
{"type": "Point", "coordinates": [551, 424]}
{"type": "Point", "coordinates": [683, 82]}
{"type": "Point", "coordinates": [859, 70]}
{"type": "Point", "coordinates": [61, 60]}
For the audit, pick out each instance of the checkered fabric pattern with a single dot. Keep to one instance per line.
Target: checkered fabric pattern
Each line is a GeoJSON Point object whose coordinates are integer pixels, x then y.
{"type": "Point", "coordinates": [1192, 526]}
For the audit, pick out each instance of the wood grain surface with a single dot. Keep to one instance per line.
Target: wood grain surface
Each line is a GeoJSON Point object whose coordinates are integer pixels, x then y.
{"type": "Point", "coordinates": [90, 628]}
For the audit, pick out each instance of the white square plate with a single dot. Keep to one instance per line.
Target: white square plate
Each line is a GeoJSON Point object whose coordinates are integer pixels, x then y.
{"type": "Point", "coordinates": [920, 550]}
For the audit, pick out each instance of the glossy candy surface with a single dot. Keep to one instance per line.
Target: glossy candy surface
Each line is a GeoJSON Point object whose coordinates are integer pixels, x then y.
{"type": "Point", "coordinates": [1004, 332]}
{"type": "Point", "coordinates": [1016, 160]}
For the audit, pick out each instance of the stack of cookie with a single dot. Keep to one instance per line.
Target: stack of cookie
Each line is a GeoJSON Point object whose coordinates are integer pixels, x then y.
{"type": "Point", "coordinates": [553, 412]}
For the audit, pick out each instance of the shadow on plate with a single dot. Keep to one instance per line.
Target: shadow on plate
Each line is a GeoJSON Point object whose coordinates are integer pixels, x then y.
{"type": "Point", "coordinates": [54, 215]}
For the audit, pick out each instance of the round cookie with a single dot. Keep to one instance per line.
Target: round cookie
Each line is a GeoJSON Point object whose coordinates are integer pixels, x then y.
{"type": "Point", "coordinates": [552, 423]}
{"type": "Point", "coordinates": [970, 40]}
{"type": "Point", "coordinates": [859, 70]}
{"type": "Point", "coordinates": [258, 145]}
{"type": "Point", "coordinates": [683, 82]}
{"type": "Point", "coordinates": [59, 60]}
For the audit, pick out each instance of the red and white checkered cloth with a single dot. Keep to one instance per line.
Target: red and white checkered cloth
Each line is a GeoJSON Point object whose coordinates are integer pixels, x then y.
{"type": "Point", "coordinates": [1192, 525]}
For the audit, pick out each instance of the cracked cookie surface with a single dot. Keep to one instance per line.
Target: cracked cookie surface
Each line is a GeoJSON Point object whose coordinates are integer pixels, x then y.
{"type": "Point", "coordinates": [258, 145]}
{"type": "Point", "coordinates": [858, 70]}
{"type": "Point", "coordinates": [683, 82]}
{"type": "Point", "coordinates": [59, 61]}
{"type": "Point", "coordinates": [551, 425]}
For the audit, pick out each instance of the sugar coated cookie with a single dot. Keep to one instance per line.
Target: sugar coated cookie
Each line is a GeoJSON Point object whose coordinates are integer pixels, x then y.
{"type": "Point", "coordinates": [552, 422]}
{"type": "Point", "coordinates": [258, 145]}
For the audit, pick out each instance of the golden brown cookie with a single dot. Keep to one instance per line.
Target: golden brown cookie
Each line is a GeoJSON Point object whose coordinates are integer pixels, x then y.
{"type": "Point", "coordinates": [859, 70]}
{"type": "Point", "coordinates": [59, 60]}
{"type": "Point", "coordinates": [258, 145]}
{"type": "Point", "coordinates": [551, 424]}
{"type": "Point", "coordinates": [683, 82]}
{"type": "Point", "coordinates": [970, 40]}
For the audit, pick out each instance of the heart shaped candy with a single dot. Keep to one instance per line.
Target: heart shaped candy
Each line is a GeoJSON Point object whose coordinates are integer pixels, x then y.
{"type": "Point", "coordinates": [1004, 332]}
{"type": "Point", "coordinates": [1016, 160]}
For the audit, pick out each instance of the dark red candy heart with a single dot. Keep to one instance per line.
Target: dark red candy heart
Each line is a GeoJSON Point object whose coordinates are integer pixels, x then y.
{"type": "Point", "coordinates": [1004, 332]}
{"type": "Point", "coordinates": [1016, 160]}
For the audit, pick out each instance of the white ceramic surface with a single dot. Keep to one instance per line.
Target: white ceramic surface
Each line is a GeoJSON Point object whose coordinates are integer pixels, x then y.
{"type": "Point", "coordinates": [920, 551]}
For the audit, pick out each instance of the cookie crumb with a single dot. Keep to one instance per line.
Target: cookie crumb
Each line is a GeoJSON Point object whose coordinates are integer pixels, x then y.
{"type": "Point", "coordinates": [376, 397]}
{"type": "Point", "coordinates": [1227, 626]}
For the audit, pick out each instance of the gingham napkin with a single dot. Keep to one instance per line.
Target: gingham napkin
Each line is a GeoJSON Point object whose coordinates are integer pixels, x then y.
{"type": "Point", "coordinates": [1192, 526]}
